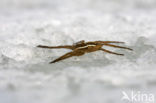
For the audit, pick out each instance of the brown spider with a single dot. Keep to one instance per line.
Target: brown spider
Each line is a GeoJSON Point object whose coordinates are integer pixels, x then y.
{"type": "Point", "coordinates": [82, 47]}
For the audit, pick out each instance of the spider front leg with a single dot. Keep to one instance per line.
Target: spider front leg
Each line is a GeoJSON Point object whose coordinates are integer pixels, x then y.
{"type": "Point", "coordinates": [111, 45]}
{"type": "Point", "coordinates": [103, 42]}
{"type": "Point", "coordinates": [111, 52]}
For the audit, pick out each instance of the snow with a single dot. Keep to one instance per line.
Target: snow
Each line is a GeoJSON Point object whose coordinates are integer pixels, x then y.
{"type": "Point", "coordinates": [26, 75]}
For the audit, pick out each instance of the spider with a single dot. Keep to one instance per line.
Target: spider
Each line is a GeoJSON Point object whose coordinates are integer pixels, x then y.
{"type": "Point", "coordinates": [82, 47]}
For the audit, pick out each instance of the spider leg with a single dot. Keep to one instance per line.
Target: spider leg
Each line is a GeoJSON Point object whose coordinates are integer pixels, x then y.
{"type": "Point", "coordinates": [80, 42]}
{"type": "Point", "coordinates": [118, 46]}
{"type": "Point", "coordinates": [65, 56]}
{"type": "Point", "coordinates": [108, 42]}
{"type": "Point", "coordinates": [102, 42]}
{"type": "Point", "coordinates": [111, 52]}
{"type": "Point", "coordinates": [54, 47]}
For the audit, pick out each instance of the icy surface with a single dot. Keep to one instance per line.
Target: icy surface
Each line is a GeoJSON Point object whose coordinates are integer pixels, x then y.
{"type": "Point", "coordinates": [26, 76]}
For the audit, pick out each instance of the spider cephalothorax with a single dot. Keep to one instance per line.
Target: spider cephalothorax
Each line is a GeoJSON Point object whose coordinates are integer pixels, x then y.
{"type": "Point", "coordinates": [82, 47]}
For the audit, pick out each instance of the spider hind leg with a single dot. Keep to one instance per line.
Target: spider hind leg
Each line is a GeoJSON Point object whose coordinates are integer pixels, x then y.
{"type": "Point", "coordinates": [56, 47]}
{"type": "Point", "coordinates": [65, 56]}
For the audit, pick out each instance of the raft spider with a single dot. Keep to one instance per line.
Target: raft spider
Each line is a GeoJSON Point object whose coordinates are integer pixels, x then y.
{"type": "Point", "coordinates": [82, 47]}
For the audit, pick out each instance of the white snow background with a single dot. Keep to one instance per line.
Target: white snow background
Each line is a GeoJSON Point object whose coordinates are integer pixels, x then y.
{"type": "Point", "coordinates": [26, 75]}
